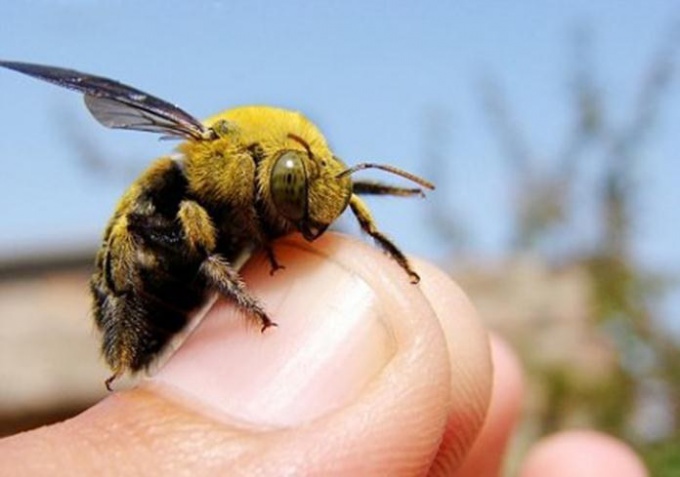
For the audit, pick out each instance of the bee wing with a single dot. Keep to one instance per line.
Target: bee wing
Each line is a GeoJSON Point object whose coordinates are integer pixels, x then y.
{"type": "Point", "coordinates": [117, 105]}
{"type": "Point", "coordinates": [115, 114]}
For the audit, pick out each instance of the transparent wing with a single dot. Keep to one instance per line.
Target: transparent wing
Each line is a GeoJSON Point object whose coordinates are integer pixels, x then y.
{"type": "Point", "coordinates": [119, 106]}
{"type": "Point", "coordinates": [117, 115]}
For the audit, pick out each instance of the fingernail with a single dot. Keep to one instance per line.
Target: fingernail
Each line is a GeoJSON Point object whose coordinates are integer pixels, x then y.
{"type": "Point", "coordinates": [330, 343]}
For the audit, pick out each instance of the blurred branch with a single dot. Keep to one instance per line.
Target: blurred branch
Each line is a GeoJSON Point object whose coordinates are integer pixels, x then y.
{"type": "Point", "coordinates": [543, 197]}
{"type": "Point", "coordinates": [623, 146]}
{"type": "Point", "coordinates": [504, 126]}
{"type": "Point", "coordinates": [626, 142]}
{"type": "Point", "coordinates": [540, 201]}
{"type": "Point", "coordinates": [587, 107]}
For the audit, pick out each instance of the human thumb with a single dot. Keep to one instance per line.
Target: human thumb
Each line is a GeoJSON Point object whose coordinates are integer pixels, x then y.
{"type": "Point", "coordinates": [355, 380]}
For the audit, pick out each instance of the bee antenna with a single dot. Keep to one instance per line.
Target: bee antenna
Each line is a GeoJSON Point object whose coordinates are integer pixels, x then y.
{"type": "Point", "coordinates": [391, 169]}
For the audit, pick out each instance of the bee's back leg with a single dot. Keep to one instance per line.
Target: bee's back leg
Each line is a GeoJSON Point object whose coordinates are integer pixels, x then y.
{"type": "Point", "coordinates": [135, 328]}
{"type": "Point", "coordinates": [106, 317]}
{"type": "Point", "coordinates": [111, 319]}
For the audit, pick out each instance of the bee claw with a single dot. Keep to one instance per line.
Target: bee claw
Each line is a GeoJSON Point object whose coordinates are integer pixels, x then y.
{"type": "Point", "coordinates": [275, 268]}
{"type": "Point", "coordinates": [267, 324]}
{"type": "Point", "coordinates": [414, 278]}
{"type": "Point", "coordinates": [110, 380]}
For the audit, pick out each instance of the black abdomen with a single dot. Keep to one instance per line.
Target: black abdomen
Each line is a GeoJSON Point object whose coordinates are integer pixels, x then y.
{"type": "Point", "coordinates": [146, 283]}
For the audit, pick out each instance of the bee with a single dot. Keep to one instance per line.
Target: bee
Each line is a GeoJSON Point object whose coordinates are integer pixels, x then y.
{"type": "Point", "coordinates": [240, 180]}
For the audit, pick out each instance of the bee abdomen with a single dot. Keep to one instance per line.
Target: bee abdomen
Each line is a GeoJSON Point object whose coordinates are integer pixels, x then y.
{"type": "Point", "coordinates": [137, 325]}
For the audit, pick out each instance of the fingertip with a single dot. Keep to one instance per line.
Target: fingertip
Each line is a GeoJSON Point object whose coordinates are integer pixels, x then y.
{"type": "Point", "coordinates": [469, 365]}
{"type": "Point", "coordinates": [466, 337]}
{"type": "Point", "coordinates": [508, 378]}
{"type": "Point", "coordinates": [487, 454]}
{"type": "Point", "coordinates": [582, 453]}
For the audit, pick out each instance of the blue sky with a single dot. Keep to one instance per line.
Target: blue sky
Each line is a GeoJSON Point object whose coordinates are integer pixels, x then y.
{"type": "Point", "coordinates": [367, 72]}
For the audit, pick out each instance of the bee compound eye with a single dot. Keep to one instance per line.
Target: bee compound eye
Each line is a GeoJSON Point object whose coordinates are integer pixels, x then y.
{"type": "Point", "coordinates": [289, 185]}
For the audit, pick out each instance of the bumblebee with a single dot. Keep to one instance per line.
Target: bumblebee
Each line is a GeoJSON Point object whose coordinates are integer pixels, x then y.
{"type": "Point", "coordinates": [240, 180]}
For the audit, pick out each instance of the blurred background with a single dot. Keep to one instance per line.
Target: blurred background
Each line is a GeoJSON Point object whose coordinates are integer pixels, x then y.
{"type": "Point", "coordinates": [550, 129]}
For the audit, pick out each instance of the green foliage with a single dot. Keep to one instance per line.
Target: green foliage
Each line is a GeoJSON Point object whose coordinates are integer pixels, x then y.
{"type": "Point", "coordinates": [663, 458]}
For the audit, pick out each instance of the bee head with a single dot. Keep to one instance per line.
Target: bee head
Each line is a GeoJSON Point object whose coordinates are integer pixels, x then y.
{"type": "Point", "coordinates": [307, 190]}
{"type": "Point", "coordinates": [311, 191]}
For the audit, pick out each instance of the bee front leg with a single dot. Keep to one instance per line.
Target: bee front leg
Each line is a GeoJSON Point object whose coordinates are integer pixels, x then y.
{"type": "Point", "coordinates": [265, 241]}
{"type": "Point", "coordinates": [378, 188]}
{"type": "Point", "coordinates": [275, 265]}
{"type": "Point", "coordinates": [363, 215]}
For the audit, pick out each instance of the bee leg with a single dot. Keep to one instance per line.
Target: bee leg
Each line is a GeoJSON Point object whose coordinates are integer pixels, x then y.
{"type": "Point", "coordinates": [193, 228]}
{"type": "Point", "coordinates": [116, 346]}
{"type": "Point", "coordinates": [363, 215]}
{"type": "Point", "coordinates": [199, 231]}
{"type": "Point", "coordinates": [276, 266]}
{"type": "Point", "coordinates": [200, 235]}
{"type": "Point", "coordinates": [201, 238]}
{"type": "Point", "coordinates": [378, 188]}
{"type": "Point", "coordinates": [109, 381]}
{"type": "Point", "coordinates": [222, 277]}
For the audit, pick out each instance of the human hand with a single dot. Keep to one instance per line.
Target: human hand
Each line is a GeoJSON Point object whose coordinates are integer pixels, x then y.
{"type": "Point", "coordinates": [365, 375]}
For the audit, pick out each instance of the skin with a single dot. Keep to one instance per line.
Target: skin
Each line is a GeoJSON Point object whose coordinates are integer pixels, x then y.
{"type": "Point", "coordinates": [386, 378]}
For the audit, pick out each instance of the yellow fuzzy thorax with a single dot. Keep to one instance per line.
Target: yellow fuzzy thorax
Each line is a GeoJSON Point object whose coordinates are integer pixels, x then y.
{"type": "Point", "coordinates": [272, 127]}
